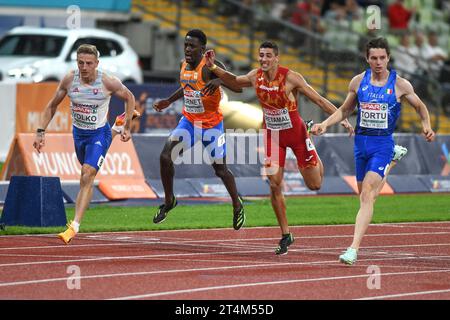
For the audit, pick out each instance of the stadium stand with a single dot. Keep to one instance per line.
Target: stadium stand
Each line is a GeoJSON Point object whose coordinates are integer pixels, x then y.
{"type": "Point", "coordinates": [324, 45]}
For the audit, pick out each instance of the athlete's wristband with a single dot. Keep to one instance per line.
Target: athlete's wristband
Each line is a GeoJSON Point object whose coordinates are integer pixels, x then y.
{"type": "Point", "coordinates": [40, 130]}
{"type": "Point", "coordinates": [214, 67]}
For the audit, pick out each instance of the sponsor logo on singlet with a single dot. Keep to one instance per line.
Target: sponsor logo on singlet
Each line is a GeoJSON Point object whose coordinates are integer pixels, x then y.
{"type": "Point", "coordinates": [193, 101]}
{"type": "Point", "coordinates": [277, 119]}
{"type": "Point", "coordinates": [265, 88]}
{"type": "Point", "coordinates": [374, 115]}
{"type": "Point", "coordinates": [85, 115]}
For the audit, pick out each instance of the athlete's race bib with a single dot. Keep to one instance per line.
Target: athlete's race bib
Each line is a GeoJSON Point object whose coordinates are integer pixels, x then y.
{"type": "Point", "coordinates": [373, 115]}
{"type": "Point", "coordinates": [85, 116]}
{"type": "Point", "coordinates": [277, 119]}
{"type": "Point", "coordinates": [193, 101]}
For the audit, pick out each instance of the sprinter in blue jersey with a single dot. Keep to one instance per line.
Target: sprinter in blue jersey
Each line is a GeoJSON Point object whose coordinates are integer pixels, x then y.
{"type": "Point", "coordinates": [377, 93]}
{"type": "Point", "coordinates": [89, 91]}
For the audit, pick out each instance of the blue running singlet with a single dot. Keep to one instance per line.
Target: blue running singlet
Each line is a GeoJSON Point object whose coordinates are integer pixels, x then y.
{"type": "Point", "coordinates": [378, 111]}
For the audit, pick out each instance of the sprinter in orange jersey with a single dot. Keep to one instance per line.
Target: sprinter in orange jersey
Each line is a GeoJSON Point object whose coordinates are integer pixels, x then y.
{"type": "Point", "coordinates": [202, 120]}
{"type": "Point", "coordinates": [277, 89]}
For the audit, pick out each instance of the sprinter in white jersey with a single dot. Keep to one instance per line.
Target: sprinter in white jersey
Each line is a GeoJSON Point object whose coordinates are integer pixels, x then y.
{"type": "Point", "coordinates": [89, 91]}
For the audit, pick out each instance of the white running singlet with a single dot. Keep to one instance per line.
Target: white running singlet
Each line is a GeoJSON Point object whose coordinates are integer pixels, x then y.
{"type": "Point", "coordinates": [89, 103]}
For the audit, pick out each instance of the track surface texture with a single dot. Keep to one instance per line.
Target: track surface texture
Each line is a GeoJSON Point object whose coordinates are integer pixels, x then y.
{"type": "Point", "coordinates": [396, 261]}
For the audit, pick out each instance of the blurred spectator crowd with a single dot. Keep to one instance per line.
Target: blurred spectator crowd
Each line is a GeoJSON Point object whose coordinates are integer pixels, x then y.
{"type": "Point", "coordinates": [417, 30]}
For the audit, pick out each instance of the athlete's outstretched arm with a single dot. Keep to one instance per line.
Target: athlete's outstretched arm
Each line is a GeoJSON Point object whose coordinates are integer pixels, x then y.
{"type": "Point", "coordinates": [117, 88]}
{"type": "Point", "coordinates": [50, 110]}
{"type": "Point", "coordinates": [420, 107]}
{"type": "Point", "coordinates": [164, 103]}
{"type": "Point", "coordinates": [343, 112]}
{"type": "Point", "coordinates": [227, 77]}
{"type": "Point", "coordinates": [234, 88]}
{"type": "Point", "coordinates": [304, 88]}
{"type": "Point", "coordinates": [53, 104]}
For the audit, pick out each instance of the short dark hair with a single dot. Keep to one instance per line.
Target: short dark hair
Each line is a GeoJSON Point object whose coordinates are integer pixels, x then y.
{"type": "Point", "coordinates": [378, 43]}
{"type": "Point", "coordinates": [199, 34]}
{"type": "Point", "coordinates": [271, 45]}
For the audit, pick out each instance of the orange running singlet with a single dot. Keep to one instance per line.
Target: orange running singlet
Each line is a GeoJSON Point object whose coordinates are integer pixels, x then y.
{"type": "Point", "coordinates": [198, 108]}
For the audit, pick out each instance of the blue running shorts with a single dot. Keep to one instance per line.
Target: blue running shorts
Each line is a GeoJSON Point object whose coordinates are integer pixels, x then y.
{"type": "Point", "coordinates": [213, 139]}
{"type": "Point", "coordinates": [372, 153]}
{"type": "Point", "coordinates": [91, 145]}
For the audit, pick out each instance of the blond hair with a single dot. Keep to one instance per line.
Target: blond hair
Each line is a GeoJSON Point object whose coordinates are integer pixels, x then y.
{"type": "Point", "coordinates": [88, 49]}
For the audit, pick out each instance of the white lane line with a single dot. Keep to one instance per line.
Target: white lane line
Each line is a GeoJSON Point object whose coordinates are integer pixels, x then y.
{"type": "Point", "coordinates": [389, 224]}
{"type": "Point", "coordinates": [127, 258]}
{"type": "Point", "coordinates": [399, 266]}
{"type": "Point", "coordinates": [326, 237]}
{"type": "Point", "coordinates": [52, 235]}
{"type": "Point", "coordinates": [242, 285]}
{"type": "Point", "coordinates": [133, 240]}
{"type": "Point", "coordinates": [44, 255]}
{"type": "Point", "coordinates": [422, 225]}
{"type": "Point", "coordinates": [178, 271]}
{"type": "Point", "coordinates": [269, 249]}
{"type": "Point", "coordinates": [137, 242]}
{"type": "Point", "coordinates": [66, 246]}
{"type": "Point", "coordinates": [409, 294]}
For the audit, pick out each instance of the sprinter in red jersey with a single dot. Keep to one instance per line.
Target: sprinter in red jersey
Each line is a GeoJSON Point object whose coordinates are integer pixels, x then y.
{"type": "Point", "coordinates": [277, 89]}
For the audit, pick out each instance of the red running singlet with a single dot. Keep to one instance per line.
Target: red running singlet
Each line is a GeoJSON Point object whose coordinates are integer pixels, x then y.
{"type": "Point", "coordinates": [284, 127]}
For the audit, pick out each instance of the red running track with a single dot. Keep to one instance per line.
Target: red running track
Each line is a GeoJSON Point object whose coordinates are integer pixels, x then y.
{"type": "Point", "coordinates": [397, 261]}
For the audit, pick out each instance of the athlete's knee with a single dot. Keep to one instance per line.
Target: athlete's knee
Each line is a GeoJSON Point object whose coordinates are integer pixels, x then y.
{"type": "Point", "coordinates": [313, 176]}
{"type": "Point", "coordinates": [165, 157]}
{"type": "Point", "coordinates": [367, 196]}
{"type": "Point", "coordinates": [314, 185]}
{"type": "Point", "coordinates": [87, 177]}
{"type": "Point", "coordinates": [221, 171]}
{"type": "Point", "coordinates": [276, 186]}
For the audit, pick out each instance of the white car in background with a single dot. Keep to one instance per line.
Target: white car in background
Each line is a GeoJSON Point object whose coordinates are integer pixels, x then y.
{"type": "Point", "coordinates": [30, 54]}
